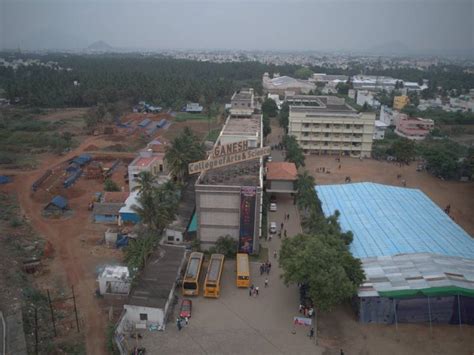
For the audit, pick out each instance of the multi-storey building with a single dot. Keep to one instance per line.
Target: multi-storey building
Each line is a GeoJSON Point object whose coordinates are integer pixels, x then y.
{"type": "Point", "coordinates": [151, 162]}
{"type": "Point", "coordinates": [327, 125]}
{"type": "Point", "coordinates": [414, 128]}
{"type": "Point", "coordinates": [242, 103]}
{"type": "Point", "coordinates": [399, 102]}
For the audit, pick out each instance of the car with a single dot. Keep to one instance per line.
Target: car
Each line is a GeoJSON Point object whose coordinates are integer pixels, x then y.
{"type": "Point", "coordinates": [273, 207]}
{"type": "Point", "coordinates": [186, 308]}
{"type": "Point", "coordinates": [273, 227]}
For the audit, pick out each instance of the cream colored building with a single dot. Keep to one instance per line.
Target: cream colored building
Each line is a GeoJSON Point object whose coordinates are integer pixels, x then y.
{"type": "Point", "coordinates": [327, 125]}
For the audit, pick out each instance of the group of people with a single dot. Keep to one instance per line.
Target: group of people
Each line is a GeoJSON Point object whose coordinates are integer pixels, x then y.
{"type": "Point", "coordinates": [181, 322]}
{"type": "Point", "coordinates": [265, 268]}
{"type": "Point", "coordinates": [307, 311]}
{"type": "Point", "coordinates": [253, 291]}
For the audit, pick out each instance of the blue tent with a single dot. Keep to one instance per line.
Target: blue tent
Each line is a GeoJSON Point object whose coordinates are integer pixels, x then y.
{"type": "Point", "coordinates": [5, 179]}
{"type": "Point", "coordinates": [58, 202]}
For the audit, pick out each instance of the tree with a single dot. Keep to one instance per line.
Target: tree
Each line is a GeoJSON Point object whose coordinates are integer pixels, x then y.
{"type": "Point", "coordinates": [267, 128]}
{"type": "Point", "coordinates": [110, 185]}
{"type": "Point", "coordinates": [324, 263]}
{"type": "Point", "coordinates": [269, 108]}
{"type": "Point", "coordinates": [306, 196]}
{"type": "Point", "coordinates": [138, 250]}
{"type": "Point", "coordinates": [342, 88]}
{"type": "Point", "coordinates": [303, 73]}
{"type": "Point", "coordinates": [284, 115]}
{"type": "Point", "coordinates": [294, 153]}
{"type": "Point", "coordinates": [145, 182]}
{"type": "Point", "coordinates": [226, 245]}
{"type": "Point", "coordinates": [404, 150]}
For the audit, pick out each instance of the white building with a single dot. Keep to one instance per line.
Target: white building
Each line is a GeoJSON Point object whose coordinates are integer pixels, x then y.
{"type": "Point", "coordinates": [114, 280]}
{"type": "Point", "coordinates": [388, 116]}
{"type": "Point", "coordinates": [280, 84]}
{"type": "Point", "coordinates": [151, 162]}
{"type": "Point", "coordinates": [367, 97]}
{"type": "Point", "coordinates": [379, 129]}
{"type": "Point", "coordinates": [276, 98]}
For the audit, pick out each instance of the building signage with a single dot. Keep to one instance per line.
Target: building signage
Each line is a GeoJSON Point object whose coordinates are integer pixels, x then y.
{"type": "Point", "coordinates": [302, 321]}
{"type": "Point", "coordinates": [230, 148]}
{"type": "Point", "coordinates": [248, 196]}
{"type": "Point", "coordinates": [225, 160]}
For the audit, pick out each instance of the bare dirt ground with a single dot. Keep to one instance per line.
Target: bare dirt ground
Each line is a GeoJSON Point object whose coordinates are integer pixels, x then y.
{"type": "Point", "coordinates": [460, 195]}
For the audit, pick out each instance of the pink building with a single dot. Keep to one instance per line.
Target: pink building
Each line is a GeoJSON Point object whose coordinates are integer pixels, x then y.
{"type": "Point", "coordinates": [415, 128]}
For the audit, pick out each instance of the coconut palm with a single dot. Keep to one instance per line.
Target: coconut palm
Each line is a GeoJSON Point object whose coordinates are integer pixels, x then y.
{"type": "Point", "coordinates": [145, 182]}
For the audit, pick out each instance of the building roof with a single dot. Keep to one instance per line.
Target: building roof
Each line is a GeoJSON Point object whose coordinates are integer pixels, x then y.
{"type": "Point", "coordinates": [107, 209]}
{"type": "Point", "coordinates": [242, 126]}
{"type": "Point", "coordinates": [246, 173]}
{"type": "Point", "coordinates": [129, 202]}
{"type": "Point", "coordinates": [158, 278]}
{"type": "Point", "coordinates": [281, 171]}
{"type": "Point", "coordinates": [389, 220]}
{"type": "Point", "coordinates": [242, 95]}
{"type": "Point", "coordinates": [380, 124]}
{"type": "Point", "coordinates": [59, 201]}
{"type": "Point", "coordinates": [115, 197]}
{"type": "Point", "coordinates": [144, 161]}
{"type": "Point", "coordinates": [408, 275]}
{"type": "Point", "coordinates": [186, 207]}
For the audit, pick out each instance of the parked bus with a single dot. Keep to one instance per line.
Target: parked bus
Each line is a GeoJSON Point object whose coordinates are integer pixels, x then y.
{"type": "Point", "coordinates": [243, 270]}
{"type": "Point", "coordinates": [212, 285]}
{"type": "Point", "coordinates": [191, 277]}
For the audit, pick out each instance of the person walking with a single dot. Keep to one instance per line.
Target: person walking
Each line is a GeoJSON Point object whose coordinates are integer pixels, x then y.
{"type": "Point", "coordinates": [261, 269]}
{"type": "Point", "coordinates": [256, 290]}
{"type": "Point", "coordinates": [186, 319]}
{"type": "Point", "coordinates": [269, 267]}
{"type": "Point", "coordinates": [301, 308]}
{"type": "Point", "coordinates": [250, 292]}
{"type": "Point", "coordinates": [285, 234]}
{"type": "Point", "coordinates": [288, 218]}
{"type": "Point", "coordinates": [266, 282]}
{"type": "Point", "coordinates": [311, 333]}
{"type": "Point", "coordinates": [275, 254]}
{"type": "Point", "coordinates": [281, 226]}
{"type": "Point", "coordinates": [178, 324]}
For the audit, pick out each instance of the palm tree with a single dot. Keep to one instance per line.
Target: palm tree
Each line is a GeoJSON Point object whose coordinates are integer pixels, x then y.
{"type": "Point", "coordinates": [145, 181]}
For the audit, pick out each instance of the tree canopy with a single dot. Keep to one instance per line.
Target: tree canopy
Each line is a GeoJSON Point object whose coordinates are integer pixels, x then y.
{"type": "Point", "coordinates": [294, 153]}
{"type": "Point", "coordinates": [270, 108]}
{"type": "Point", "coordinates": [283, 118]}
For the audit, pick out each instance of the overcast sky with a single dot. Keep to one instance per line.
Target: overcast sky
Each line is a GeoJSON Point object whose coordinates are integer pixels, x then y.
{"type": "Point", "coordinates": [238, 24]}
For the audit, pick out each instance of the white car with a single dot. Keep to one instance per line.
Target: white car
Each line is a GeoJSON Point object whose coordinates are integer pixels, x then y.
{"type": "Point", "coordinates": [269, 159]}
{"type": "Point", "coordinates": [273, 207]}
{"type": "Point", "coordinates": [273, 227]}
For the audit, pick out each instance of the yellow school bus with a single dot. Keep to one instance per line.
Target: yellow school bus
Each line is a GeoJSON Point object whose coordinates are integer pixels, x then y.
{"type": "Point", "coordinates": [191, 278]}
{"type": "Point", "coordinates": [212, 284]}
{"type": "Point", "coordinates": [243, 270]}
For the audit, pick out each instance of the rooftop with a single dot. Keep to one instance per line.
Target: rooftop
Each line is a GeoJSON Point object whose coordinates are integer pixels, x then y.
{"type": "Point", "coordinates": [116, 272]}
{"type": "Point", "coordinates": [242, 126]}
{"type": "Point", "coordinates": [158, 278]}
{"type": "Point", "coordinates": [242, 95]}
{"type": "Point", "coordinates": [115, 197]}
{"type": "Point", "coordinates": [408, 274]}
{"type": "Point", "coordinates": [281, 171]}
{"type": "Point", "coordinates": [388, 220]}
{"type": "Point", "coordinates": [241, 174]}
{"type": "Point", "coordinates": [131, 200]}
{"type": "Point", "coordinates": [143, 161]}
{"type": "Point", "coordinates": [111, 209]}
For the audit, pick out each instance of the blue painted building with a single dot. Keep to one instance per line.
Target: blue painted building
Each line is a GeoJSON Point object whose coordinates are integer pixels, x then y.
{"type": "Point", "coordinates": [126, 212]}
{"type": "Point", "coordinates": [107, 212]}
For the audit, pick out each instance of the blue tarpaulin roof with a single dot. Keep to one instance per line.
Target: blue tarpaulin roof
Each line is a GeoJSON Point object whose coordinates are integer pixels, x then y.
{"type": "Point", "coordinates": [390, 220]}
{"type": "Point", "coordinates": [193, 224]}
{"type": "Point", "coordinates": [5, 179]}
{"type": "Point", "coordinates": [144, 123]}
{"type": "Point", "coordinates": [59, 201]}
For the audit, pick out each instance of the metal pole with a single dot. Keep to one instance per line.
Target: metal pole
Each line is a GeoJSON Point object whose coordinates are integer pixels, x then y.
{"type": "Point", "coordinates": [395, 313]}
{"type": "Point", "coordinates": [52, 314]}
{"type": "Point", "coordinates": [75, 308]}
{"type": "Point", "coordinates": [429, 314]}
{"type": "Point", "coordinates": [36, 331]}
{"type": "Point", "coordinates": [459, 313]}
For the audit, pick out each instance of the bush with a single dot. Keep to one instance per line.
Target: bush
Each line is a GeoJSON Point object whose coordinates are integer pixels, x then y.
{"type": "Point", "coordinates": [227, 246]}
{"type": "Point", "coordinates": [110, 185]}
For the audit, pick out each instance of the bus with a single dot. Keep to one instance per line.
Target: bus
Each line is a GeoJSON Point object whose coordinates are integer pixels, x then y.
{"type": "Point", "coordinates": [191, 277]}
{"type": "Point", "coordinates": [212, 285]}
{"type": "Point", "coordinates": [243, 270]}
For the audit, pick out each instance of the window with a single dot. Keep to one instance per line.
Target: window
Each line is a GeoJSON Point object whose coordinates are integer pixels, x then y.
{"type": "Point", "coordinates": [348, 126]}
{"type": "Point", "coordinates": [327, 125]}
{"type": "Point", "coordinates": [143, 316]}
{"type": "Point", "coordinates": [248, 104]}
{"type": "Point", "coordinates": [325, 143]}
{"type": "Point", "coordinates": [161, 168]}
{"type": "Point", "coordinates": [306, 125]}
{"type": "Point", "coordinates": [326, 134]}
{"type": "Point", "coordinates": [305, 134]}
{"type": "Point", "coordinates": [170, 238]}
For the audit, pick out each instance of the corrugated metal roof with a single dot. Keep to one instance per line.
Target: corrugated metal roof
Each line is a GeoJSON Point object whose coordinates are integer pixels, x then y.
{"type": "Point", "coordinates": [390, 220]}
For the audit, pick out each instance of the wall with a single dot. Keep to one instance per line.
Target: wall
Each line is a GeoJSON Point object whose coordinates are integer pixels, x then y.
{"type": "Point", "coordinates": [99, 218]}
{"type": "Point", "coordinates": [155, 315]}
{"type": "Point", "coordinates": [282, 185]}
{"type": "Point", "coordinates": [129, 218]}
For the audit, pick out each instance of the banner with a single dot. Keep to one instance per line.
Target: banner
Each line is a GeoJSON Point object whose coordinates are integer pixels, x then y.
{"type": "Point", "coordinates": [302, 321]}
{"type": "Point", "coordinates": [225, 160]}
{"type": "Point", "coordinates": [248, 197]}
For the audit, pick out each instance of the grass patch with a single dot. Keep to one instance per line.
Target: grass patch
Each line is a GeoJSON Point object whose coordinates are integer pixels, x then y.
{"type": "Point", "coordinates": [213, 135]}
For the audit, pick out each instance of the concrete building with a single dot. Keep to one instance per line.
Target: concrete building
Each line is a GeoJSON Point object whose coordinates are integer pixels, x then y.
{"type": "Point", "coordinates": [242, 103]}
{"type": "Point", "coordinates": [367, 97]}
{"type": "Point", "coordinates": [127, 213]}
{"type": "Point", "coordinates": [415, 128]}
{"type": "Point", "coordinates": [194, 107]}
{"type": "Point", "coordinates": [326, 78]}
{"type": "Point", "coordinates": [151, 162]}
{"type": "Point", "coordinates": [280, 84]}
{"type": "Point", "coordinates": [115, 281]}
{"type": "Point", "coordinates": [379, 129]}
{"type": "Point", "coordinates": [276, 98]}
{"type": "Point", "coordinates": [327, 125]}
{"type": "Point", "coordinates": [150, 299]}
{"type": "Point", "coordinates": [399, 102]}
{"type": "Point", "coordinates": [281, 177]}
{"type": "Point", "coordinates": [229, 199]}
{"type": "Point", "coordinates": [388, 116]}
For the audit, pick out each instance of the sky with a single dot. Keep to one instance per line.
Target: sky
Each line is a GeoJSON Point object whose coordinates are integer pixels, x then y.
{"type": "Point", "coordinates": [317, 25]}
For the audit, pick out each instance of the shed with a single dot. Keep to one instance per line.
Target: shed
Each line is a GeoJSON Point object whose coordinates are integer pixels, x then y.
{"type": "Point", "coordinates": [127, 214]}
{"type": "Point", "coordinates": [82, 159]}
{"type": "Point", "coordinates": [73, 167]}
{"type": "Point", "coordinates": [58, 203]}
{"type": "Point", "coordinates": [106, 212]}
{"type": "Point", "coordinates": [281, 177]}
{"type": "Point", "coordinates": [162, 123]}
{"type": "Point", "coordinates": [5, 179]}
{"type": "Point", "coordinates": [144, 123]}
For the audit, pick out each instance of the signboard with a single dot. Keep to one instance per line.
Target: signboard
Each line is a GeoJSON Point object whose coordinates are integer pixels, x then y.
{"type": "Point", "coordinates": [213, 163]}
{"type": "Point", "coordinates": [230, 148]}
{"type": "Point", "coordinates": [302, 321]}
{"type": "Point", "coordinates": [248, 196]}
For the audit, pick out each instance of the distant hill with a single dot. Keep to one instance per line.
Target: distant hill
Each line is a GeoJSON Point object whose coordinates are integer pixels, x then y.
{"type": "Point", "coordinates": [100, 46]}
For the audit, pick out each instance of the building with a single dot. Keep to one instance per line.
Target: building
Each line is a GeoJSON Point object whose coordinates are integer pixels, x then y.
{"type": "Point", "coordinates": [328, 125]}
{"type": "Point", "coordinates": [107, 212]}
{"type": "Point", "coordinates": [229, 198]}
{"type": "Point", "coordinates": [127, 213]}
{"type": "Point", "coordinates": [387, 115]}
{"type": "Point", "coordinates": [153, 294]}
{"type": "Point", "coordinates": [379, 129]}
{"type": "Point", "coordinates": [418, 262]}
{"type": "Point", "coordinates": [57, 204]}
{"type": "Point", "coordinates": [114, 281]}
{"type": "Point", "coordinates": [399, 102]}
{"type": "Point", "coordinates": [280, 84]}
{"type": "Point", "coordinates": [281, 177]}
{"type": "Point", "coordinates": [194, 107]}
{"type": "Point", "coordinates": [151, 162]}
{"type": "Point", "coordinates": [276, 98]}
{"type": "Point", "coordinates": [414, 128]}
{"type": "Point", "coordinates": [367, 97]}
{"type": "Point", "coordinates": [242, 103]}
{"type": "Point", "coordinates": [326, 78]}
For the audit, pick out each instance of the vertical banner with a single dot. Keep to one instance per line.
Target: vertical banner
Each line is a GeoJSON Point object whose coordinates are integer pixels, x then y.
{"type": "Point", "coordinates": [248, 195]}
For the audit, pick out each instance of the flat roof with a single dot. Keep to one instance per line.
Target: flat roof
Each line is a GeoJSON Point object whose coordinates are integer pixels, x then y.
{"type": "Point", "coordinates": [142, 162]}
{"type": "Point", "coordinates": [390, 220]}
{"type": "Point", "coordinates": [404, 274]}
{"type": "Point", "coordinates": [246, 173]}
{"type": "Point", "coordinates": [158, 278]}
{"type": "Point", "coordinates": [242, 95]}
{"type": "Point", "coordinates": [242, 126]}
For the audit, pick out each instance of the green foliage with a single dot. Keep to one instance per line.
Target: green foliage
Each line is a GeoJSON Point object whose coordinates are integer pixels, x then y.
{"type": "Point", "coordinates": [269, 108]}
{"type": "Point", "coordinates": [111, 347]}
{"type": "Point", "coordinates": [294, 153]}
{"type": "Point", "coordinates": [283, 118]}
{"type": "Point", "coordinates": [404, 150]}
{"type": "Point", "coordinates": [342, 88]}
{"type": "Point", "coordinates": [110, 185]}
{"type": "Point", "coordinates": [184, 149]}
{"type": "Point", "coordinates": [303, 73]}
{"type": "Point", "coordinates": [227, 246]}
{"type": "Point", "coordinates": [213, 135]}
{"type": "Point", "coordinates": [145, 182]}
{"type": "Point", "coordinates": [185, 116]}
{"type": "Point", "coordinates": [138, 250]}
{"type": "Point", "coordinates": [441, 116]}
{"type": "Point", "coordinates": [267, 129]}
{"type": "Point", "coordinates": [325, 264]}
{"type": "Point", "coordinates": [443, 157]}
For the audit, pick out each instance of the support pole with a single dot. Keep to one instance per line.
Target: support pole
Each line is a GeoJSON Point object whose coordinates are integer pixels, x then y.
{"type": "Point", "coordinates": [75, 308]}
{"type": "Point", "coordinates": [395, 313]}
{"type": "Point", "coordinates": [36, 331]}
{"type": "Point", "coordinates": [459, 313]}
{"type": "Point", "coordinates": [429, 314]}
{"type": "Point", "coordinates": [52, 314]}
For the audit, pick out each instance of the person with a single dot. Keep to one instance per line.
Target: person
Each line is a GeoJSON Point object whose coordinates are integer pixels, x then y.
{"type": "Point", "coordinates": [339, 166]}
{"type": "Point", "coordinates": [281, 226]}
{"type": "Point", "coordinates": [275, 254]}
{"type": "Point", "coordinates": [279, 234]}
{"type": "Point", "coordinates": [250, 292]}
{"type": "Point", "coordinates": [285, 234]}
{"type": "Point", "coordinates": [266, 282]}
{"type": "Point", "coordinates": [288, 218]}
{"type": "Point", "coordinates": [301, 308]}
{"type": "Point", "coordinates": [178, 324]}
{"type": "Point", "coordinates": [311, 333]}
{"type": "Point", "coordinates": [261, 269]}
{"type": "Point", "coordinates": [186, 319]}
{"type": "Point", "coordinates": [256, 290]}
{"type": "Point", "coordinates": [447, 209]}
{"type": "Point", "coordinates": [342, 352]}
{"type": "Point", "coordinates": [310, 312]}
{"type": "Point", "coordinates": [269, 267]}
